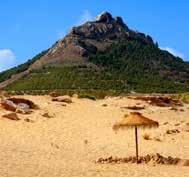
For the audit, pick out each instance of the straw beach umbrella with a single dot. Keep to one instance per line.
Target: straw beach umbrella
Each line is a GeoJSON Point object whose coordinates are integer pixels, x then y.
{"type": "Point", "coordinates": [135, 119]}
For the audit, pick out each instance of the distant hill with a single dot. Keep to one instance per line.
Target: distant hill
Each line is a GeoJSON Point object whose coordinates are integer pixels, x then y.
{"type": "Point", "coordinates": [102, 55]}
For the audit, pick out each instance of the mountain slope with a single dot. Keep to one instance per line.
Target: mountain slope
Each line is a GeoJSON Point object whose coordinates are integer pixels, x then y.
{"type": "Point", "coordinates": [19, 71]}
{"type": "Point", "coordinates": [105, 55]}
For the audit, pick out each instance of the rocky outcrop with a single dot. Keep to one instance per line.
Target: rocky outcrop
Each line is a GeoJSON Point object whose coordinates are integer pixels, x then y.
{"type": "Point", "coordinates": [8, 105]}
{"type": "Point", "coordinates": [162, 101]}
{"type": "Point", "coordinates": [86, 39]}
{"type": "Point", "coordinates": [23, 108]}
{"type": "Point", "coordinates": [47, 115]}
{"type": "Point", "coordinates": [18, 101]}
{"type": "Point", "coordinates": [82, 42]}
{"type": "Point", "coordinates": [11, 116]}
{"type": "Point", "coordinates": [65, 99]}
{"type": "Point", "coordinates": [53, 94]}
{"type": "Point", "coordinates": [18, 105]}
{"type": "Point", "coordinates": [104, 17]}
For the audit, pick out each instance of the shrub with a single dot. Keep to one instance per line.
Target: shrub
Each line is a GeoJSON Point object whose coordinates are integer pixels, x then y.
{"type": "Point", "coordinates": [185, 98]}
{"type": "Point", "coordinates": [88, 96]}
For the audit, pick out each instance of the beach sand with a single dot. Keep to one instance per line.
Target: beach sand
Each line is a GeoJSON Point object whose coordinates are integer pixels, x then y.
{"type": "Point", "coordinates": [69, 143]}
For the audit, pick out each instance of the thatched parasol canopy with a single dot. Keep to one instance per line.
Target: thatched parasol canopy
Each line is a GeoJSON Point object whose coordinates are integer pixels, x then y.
{"type": "Point", "coordinates": [136, 119]}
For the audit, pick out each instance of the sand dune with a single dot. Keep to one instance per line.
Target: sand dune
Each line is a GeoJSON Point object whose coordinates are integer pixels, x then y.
{"type": "Point", "coordinates": [67, 144]}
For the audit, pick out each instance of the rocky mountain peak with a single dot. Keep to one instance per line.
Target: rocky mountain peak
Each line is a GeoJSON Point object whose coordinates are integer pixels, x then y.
{"type": "Point", "coordinates": [87, 39]}
{"type": "Point", "coordinates": [104, 17]}
{"type": "Point", "coordinates": [98, 52]}
{"type": "Point", "coordinates": [119, 20]}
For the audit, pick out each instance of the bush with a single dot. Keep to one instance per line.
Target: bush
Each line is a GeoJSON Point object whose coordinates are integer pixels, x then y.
{"type": "Point", "coordinates": [88, 96]}
{"type": "Point", "coordinates": [185, 98]}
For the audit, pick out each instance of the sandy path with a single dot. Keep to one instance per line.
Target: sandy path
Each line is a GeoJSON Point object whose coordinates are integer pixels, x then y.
{"type": "Point", "coordinates": [68, 144]}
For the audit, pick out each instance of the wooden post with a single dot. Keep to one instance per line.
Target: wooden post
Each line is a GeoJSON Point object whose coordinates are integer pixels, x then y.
{"type": "Point", "coordinates": [136, 139]}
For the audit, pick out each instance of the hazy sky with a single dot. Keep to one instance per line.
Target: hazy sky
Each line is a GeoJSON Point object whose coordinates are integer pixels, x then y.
{"type": "Point", "coordinates": [28, 27]}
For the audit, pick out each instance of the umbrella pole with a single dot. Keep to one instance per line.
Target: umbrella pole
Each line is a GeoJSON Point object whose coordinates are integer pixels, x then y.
{"type": "Point", "coordinates": [136, 139]}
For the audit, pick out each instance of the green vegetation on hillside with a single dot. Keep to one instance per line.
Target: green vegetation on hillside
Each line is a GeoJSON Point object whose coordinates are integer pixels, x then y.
{"type": "Point", "coordinates": [184, 97]}
{"type": "Point", "coordinates": [130, 65]}
{"type": "Point", "coordinates": [138, 60]}
{"type": "Point", "coordinates": [79, 79]}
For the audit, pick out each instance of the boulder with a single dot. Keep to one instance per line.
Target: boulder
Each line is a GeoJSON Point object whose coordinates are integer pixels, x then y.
{"type": "Point", "coordinates": [64, 104]}
{"type": "Point", "coordinates": [172, 131]}
{"type": "Point", "coordinates": [11, 116]}
{"type": "Point", "coordinates": [22, 100]}
{"type": "Point", "coordinates": [66, 99]}
{"type": "Point", "coordinates": [53, 94]}
{"type": "Point", "coordinates": [23, 108]}
{"type": "Point", "coordinates": [147, 158]}
{"type": "Point", "coordinates": [104, 105]}
{"type": "Point", "coordinates": [8, 105]}
{"type": "Point", "coordinates": [18, 105]}
{"type": "Point", "coordinates": [46, 114]}
{"type": "Point", "coordinates": [28, 120]}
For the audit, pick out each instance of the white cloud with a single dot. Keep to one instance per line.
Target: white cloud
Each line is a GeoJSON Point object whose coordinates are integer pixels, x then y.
{"type": "Point", "coordinates": [86, 16]}
{"type": "Point", "coordinates": [7, 59]}
{"type": "Point", "coordinates": [173, 51]}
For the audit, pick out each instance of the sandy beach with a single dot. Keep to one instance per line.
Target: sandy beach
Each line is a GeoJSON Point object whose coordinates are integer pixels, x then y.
{"type": "Point", "coordinates": [76, 135]}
